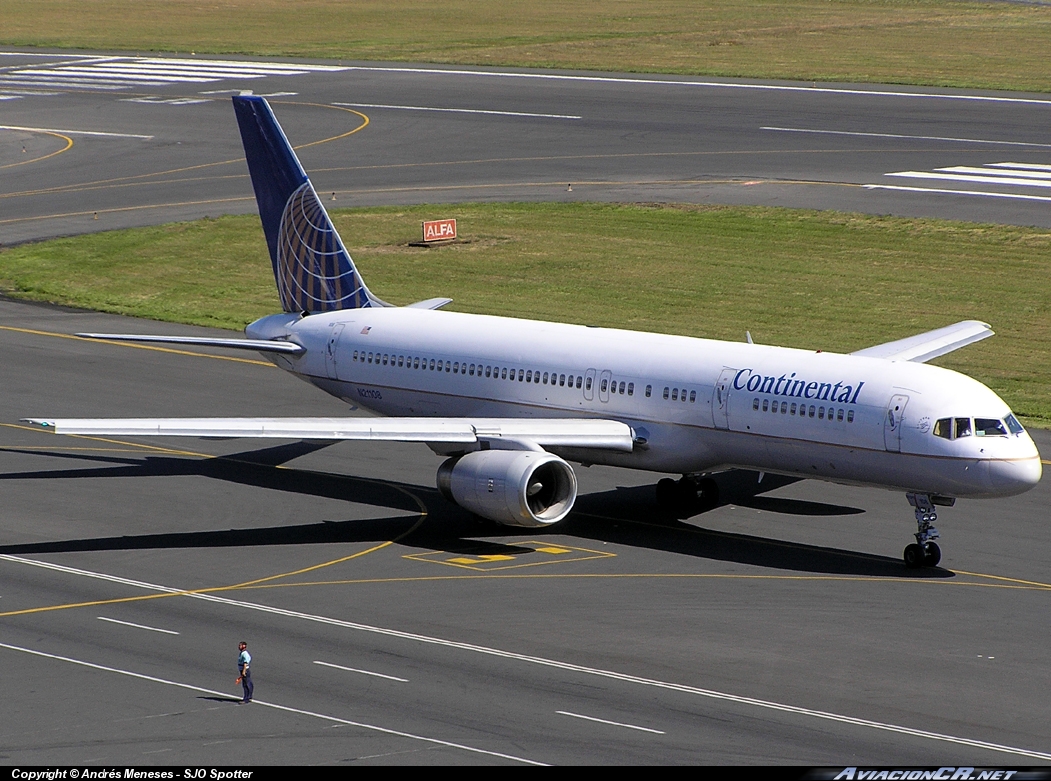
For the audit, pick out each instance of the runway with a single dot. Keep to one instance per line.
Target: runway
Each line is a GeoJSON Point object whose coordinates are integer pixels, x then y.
{"type": "Point", "coordinates": [121, 141]}
{"type": "Point", "coordinates": [386, 625]}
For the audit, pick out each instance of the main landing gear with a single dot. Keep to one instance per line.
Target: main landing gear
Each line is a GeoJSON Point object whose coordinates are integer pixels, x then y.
{"type": "Point", "coordinates": [925, 551]}
{"type": "Point", "coordinates": [687, 497]}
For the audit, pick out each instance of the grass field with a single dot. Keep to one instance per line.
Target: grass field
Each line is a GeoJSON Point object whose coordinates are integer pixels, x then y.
{"type": "Point", "coordinates": [965, 44]}
{"type": "Point", "coordinates": [816, 280]}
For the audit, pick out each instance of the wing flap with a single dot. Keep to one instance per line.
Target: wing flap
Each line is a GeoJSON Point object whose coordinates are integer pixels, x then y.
{"type": "Point", "coordinates": [923, 347]}
{"type": "Point", "coordinates": [556, 432]}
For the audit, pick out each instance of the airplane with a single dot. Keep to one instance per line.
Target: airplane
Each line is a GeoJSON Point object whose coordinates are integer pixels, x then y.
{"type": "Point", "coordinates": [511, 402]}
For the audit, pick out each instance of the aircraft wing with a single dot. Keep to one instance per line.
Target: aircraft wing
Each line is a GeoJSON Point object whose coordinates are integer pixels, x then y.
{"type": "Point", "coordinates": [923, 347]}
{"type": "Point", "coordinates": [514, 433]}
{"type": "Point", "coordinates": [259, 345]}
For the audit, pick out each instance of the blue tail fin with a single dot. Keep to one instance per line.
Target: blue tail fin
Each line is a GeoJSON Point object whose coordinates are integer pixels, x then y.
{"type": "Point", "coordinates": [313, 269]}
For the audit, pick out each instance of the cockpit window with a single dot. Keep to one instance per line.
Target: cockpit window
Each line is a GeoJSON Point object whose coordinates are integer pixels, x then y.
{"type": "Point", "coordinates": [989, 427]}
{"type": "Point", "coordinates": [943, 428]}
{"type": "Point", "coordinates": [1013, 425]}
{"type": "Point", "coordinates": [962, 428]}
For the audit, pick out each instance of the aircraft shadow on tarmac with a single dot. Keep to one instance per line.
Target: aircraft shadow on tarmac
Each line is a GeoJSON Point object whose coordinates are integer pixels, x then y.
{"type": "Point", "coordinates": [623, 516]}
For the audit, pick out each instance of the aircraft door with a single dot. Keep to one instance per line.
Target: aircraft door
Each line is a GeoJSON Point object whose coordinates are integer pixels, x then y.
{"type": "Point", "coordinates": [603, 385]}
{"type": "Point", "coordinates": [589, 384]}
{"type": "Point", "coordinates": [721, 399]}
{"type": "Point", "coordinates": [892, 422]}
{"type": "Point", "coordinates": [331, 367]}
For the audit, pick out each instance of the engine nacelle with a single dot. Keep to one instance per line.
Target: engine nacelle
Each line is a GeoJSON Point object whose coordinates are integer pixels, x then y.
{"type": "Point", "coordinates": [513, 487]}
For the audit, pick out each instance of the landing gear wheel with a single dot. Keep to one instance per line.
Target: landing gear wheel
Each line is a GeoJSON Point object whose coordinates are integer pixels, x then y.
{"type": "Point", "coordinates": [932, 554]}
{"type": "Point", "coordinates": [914, 556]}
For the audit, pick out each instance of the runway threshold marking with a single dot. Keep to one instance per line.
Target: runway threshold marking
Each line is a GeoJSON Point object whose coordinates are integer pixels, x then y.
{"type": "Point", "coordinates": [363, 672]}
{"type": "Point", "coordinates": [66, 148]}
{"type": "Point", "coordinates": [553, 664]}
{"type": "Point", "coordinates": [946, 191]}
{"type": "Point", "coordinates": [118, 343]}
{"type": "Point", "coordinates": [493, 562]}
{"type": "Point", "coordinates": [137, 626]}
{"type": "Point", "coordinates": [274, 705]}
{"type": "Point", "coordinates": [611, 723]}
{"type": "Point", "coordinates": [905, 136]}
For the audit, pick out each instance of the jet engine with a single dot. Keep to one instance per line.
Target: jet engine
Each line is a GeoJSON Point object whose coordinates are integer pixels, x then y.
{"type": "Point", "coordinates": [514, 487]}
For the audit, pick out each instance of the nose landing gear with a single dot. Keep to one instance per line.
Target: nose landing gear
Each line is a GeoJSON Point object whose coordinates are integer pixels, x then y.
{"type": "Point", "coordinates": [924, 552]}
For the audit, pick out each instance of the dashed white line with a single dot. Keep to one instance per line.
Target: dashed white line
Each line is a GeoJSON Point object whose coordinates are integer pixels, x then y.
{"type": "Point", "coordinates": [363, 672]}
{"type": "Point", "coordinates": [460, 110]}
{"type": "Point", "coordinates": [611, 723]}
{"type": "Point", "coordinates": [905, 136]}
{"type": "Point", "coordinates": [137, 626]}
{"type": "Point", "coordinates": [541, 661]}
{"type": "Point", "coordinates": [275, 706]}
{"type": "Point", "coordinates": [73, 132]}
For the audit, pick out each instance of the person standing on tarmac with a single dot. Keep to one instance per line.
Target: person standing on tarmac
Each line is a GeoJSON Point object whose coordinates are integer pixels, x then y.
{"type": "Point", "coordinates": [244, 672]}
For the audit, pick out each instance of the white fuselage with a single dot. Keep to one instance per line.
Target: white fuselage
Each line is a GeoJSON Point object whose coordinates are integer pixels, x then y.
{"type": "Point", "coordinates": [696, 405]}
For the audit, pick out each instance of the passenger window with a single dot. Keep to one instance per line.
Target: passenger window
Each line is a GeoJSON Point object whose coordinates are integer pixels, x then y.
{"type": "Point", "coordinates": [766, 404]}
{"type": "Point", "coordinates": [962, 428]}
{"type": "Point", "coordinates": [621, 391]}
{"type": "Point", "coordinates": [755, 404]}
{"type": "Point", "coordinates": [792, 409]}
{"type": "Point", "coordinates": [850, 416]}
{"type": "Point", "coordinates": [784, 407]}
{"type": "Point", "coordinates": [811, 410]}
{"type": "Point", "coordinates": [649, 391]}
{"type": "Point", "coordinates": [562, 380]}
{"type": "Point", "coordinates": [578, 382]}
{"type": "Point", "coordinates": [839, 416]}
{"type": "Point", "coordinates": [503, 374]}
{"type": "Point", "coordinates": [674, 394]}
{"type": "Point", "coordinates": [432, 364]}
{"type": "Point", "coordinates": [667, 393]}
{"type": "Point", "coordinates": [693, 396]}
{"type": "Point", "coordinates": [536, 377]}
{"type": "Point", "coordinates": [631, 389]}
{"type": "Point", "coordinates": [456, 368]}
{"type": "Point", "coordinates": [989, 427]}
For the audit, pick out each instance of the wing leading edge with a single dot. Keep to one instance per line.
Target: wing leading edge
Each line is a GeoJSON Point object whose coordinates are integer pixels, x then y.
{"type": "Point", "coordinates": [515, 433]}
{"type": "Point", "coordinates": [923, 347]}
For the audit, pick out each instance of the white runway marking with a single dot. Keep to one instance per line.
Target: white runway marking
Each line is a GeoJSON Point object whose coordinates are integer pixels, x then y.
{"type": "Point", "coordinates": [117, 73]}
{"type": "Point", "coordinates": [363, 672]}
{"type": "Point", "coordinates": [459, 110]}
{"type": "Point", "coordinates": [714, 84]}
{"type": "Point", "coordinates": [285, 708]}
{"type": "Point", "coordinates": [137, 626]}
{"type": "Point", "coordinates": [946, 191]}
{"type": "Point", "coordinates": [73, 132]}
{"type": "Point", "coordinates": [950, 177]}
{"type": "Point", "coordinates": [907, 137]}
{"type": "Point", "coordinates": [612, 723]}
{"type": "Point", "coordinates": [552, 663]}
{"type": "Point", "coordinates": [1025, 166]}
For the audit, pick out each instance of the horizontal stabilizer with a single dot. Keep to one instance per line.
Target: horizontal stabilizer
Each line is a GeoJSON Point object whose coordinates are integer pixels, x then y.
{"type": "Point", "coordinates": [923, 347]}
{"type": "Point", "coordinates": [556, 432]}
{"type": "Point", "coordinates": [431, 303]}
{"type": "Point", "coordinates": [258, 345]}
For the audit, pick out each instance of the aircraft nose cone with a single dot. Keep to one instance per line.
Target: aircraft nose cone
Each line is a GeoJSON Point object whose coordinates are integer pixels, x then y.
{"type": "Point", "coordinates": [1014, 477]}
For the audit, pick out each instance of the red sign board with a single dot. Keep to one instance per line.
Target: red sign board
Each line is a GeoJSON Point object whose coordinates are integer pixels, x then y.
{"type": "Point", "coordinates": [439, 230]}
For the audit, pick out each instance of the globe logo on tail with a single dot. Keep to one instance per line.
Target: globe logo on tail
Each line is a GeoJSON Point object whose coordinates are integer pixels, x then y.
{"type": "Point", "coordinates": [315, 272]}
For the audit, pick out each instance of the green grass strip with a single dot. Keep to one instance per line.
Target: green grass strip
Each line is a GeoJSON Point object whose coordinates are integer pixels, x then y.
{"type": "Point", "coordinates": [809, 279]}
{"type": "Point", "coordinates": [936, 42]}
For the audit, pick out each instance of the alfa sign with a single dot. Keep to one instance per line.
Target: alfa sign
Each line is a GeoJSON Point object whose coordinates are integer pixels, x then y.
{"type": "Point", "coordinates": [439, 230]}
